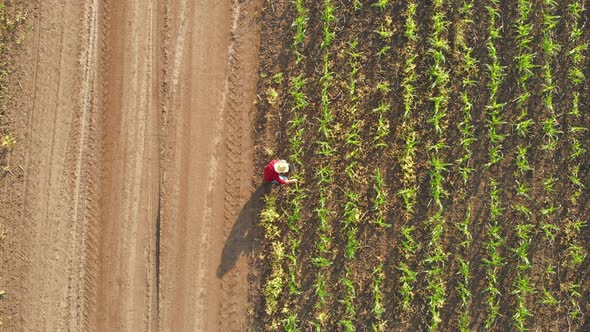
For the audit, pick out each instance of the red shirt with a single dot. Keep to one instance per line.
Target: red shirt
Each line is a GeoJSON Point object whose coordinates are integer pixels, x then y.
{"type": "Point", "coordinates": [270, 174]}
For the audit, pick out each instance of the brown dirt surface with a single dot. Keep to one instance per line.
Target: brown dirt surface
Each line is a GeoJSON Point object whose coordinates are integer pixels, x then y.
{"type": "Point", "coordinates": [129, 199]}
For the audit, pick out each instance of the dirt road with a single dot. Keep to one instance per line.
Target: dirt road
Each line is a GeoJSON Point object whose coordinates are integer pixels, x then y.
{"type": "Point", "coordinates": [126, 208]}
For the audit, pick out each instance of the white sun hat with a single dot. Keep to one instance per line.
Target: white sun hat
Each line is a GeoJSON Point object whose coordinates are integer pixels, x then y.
{"type": "Point", "coordinates": [281, 166]}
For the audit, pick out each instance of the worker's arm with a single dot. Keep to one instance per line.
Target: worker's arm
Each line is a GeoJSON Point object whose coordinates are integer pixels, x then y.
{"type": "Point", "coordinates": [290, 181]}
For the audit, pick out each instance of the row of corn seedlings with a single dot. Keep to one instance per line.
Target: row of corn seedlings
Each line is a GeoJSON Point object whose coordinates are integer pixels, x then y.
{"type": "Point", "coordinates": [352, 212]}
{"type": "Point", "coordinates": [378, 309]}
{"type": "Point", "coordinates": [550, 49]}
{"type": "Point", "coordinates": [547, 213]}
{"type": "Point", "coordinates": [576, 130]}
{"type": "Point", "coordinates": [385, 33]}
{"type": "Point", "coordinates": [379, 141]}
{"type": "Point", "coordinates": [550, 125]}
{"type": "Point", "coordinates": [576, 252]}
{"type": "Point", "coordinates": [381, 130]}
{"type": "Point", "coordinates": [273, 288]}
{"type": "Point", "coordinates": [300, 26]}
{"type": "Point", "coordinates": [436, 255]}
{"type": "Point", "coordinates": [296, 131]}
{"type": "Point", "coordinates": [407, 159]}
{"type": "Point", "coordinates": [464, 273]}
{"type": "Point", "coordinates": [494, 261]}
{"type": "Point", "coordinates": [468, 70]}
{"type": "Point", "coordinates": [494, 111]}
{"type": "Point", "coordinates": [525, 65]}
{"type": "Point", "coordinates": [496, 74]}
{"type": "Point", "coordinates": [324, 175]}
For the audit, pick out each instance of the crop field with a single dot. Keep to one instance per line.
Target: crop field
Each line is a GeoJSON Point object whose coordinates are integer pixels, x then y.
{"type": "Point", "coordinates": [441, 149]}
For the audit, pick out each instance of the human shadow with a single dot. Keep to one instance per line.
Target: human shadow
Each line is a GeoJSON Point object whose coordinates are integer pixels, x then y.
{"type": "Point", "coordinates": [241, 236]}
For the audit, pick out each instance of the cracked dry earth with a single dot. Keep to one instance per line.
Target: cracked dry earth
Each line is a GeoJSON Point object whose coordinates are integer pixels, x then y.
{"type": "Point", "coordinates": [132, 169]}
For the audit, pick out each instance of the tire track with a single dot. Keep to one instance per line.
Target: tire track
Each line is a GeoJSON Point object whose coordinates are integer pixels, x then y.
{"type": "Point", "coordinates": [233, 163]}
{"type": "Point", "coordinates": [86, 170]}
{"type": "Point", "coordinates": [92, 267]}
{"type": "Point", "coordinates": [101, 11]}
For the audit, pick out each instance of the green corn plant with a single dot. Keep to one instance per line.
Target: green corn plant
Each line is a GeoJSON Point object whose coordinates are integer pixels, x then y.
{"type": "Point", "coordinates": [522, 162]}
{"type": "Point", "coordinates": [351, 219]}
{"type": "Point", "coordinates": [383, 51]}
{"type": "Point", "coordinates": [357, 4]}
{"type": "Point", "coordinates": [382, 131]}
{"type": "Point", "coordinates": [463, 227]}
{"type": "Point", "coordinates": [352, 245]}
{"type": "Point", "coordinates": [384, 31]}
{"type": "Point", "coordinates": [381, 4]}
{"type": "Point", "coordinates": [464, 273]}
{"type": "Point", "coordinates": [523, 210]}
{"type": "Point", "coordinates": [549, 185]}
{"type": "Point", "coordinates": [548, 298]}
{"type": "Point", "coordinates": [291, 323]}
{"type": "Point", "coordinates": [347, 325]}
{"type": "Point", "coordinates": [575, 179]}
{"type": "Point", "coordinates": [573, 289]}
{"type": "Point", "coordinates": [549, 229]}
{"type": "Point", "coordinates": [436, 178]}
{"type": "Point", "coordinates": [408, 243]}
{"type": "Point", "coordinates": [576, 75]}
{"type": "Point", "coordinates": [380, 198]}
{"type": "Point", "coordinates": [378, 309]}
{"type": "Point", "coordinates": [353, 137]}
{"type": "Point", "coordinates": [407, 280]}
{"type": "Point", "coordinates": [355, 66]}
{"type": "Point", "coordinates": [320, 290]}
{"type": "Point", "coordinates": [523, 190]}
{"type": "Point", "coordinates": [576, 129]}
{"type": "Point", "coordinates": [409, 197]}
{"type": "Point", "coordinates": [351, 171]}
{"type": "Point", "coordinates": [383, 87]}
{"type": "Point", "coordinates": [550, 131]}
{"type": "Point", "coordinates": [576, 253]}
{"type": "Point", "coordinates": [523, 127]}
{"type": "Point", "coordinates": [328, 17]}
{"type": "Point", "coordinates": [411, 27]}
{"type": "Point", "coordinates": [350, 311]}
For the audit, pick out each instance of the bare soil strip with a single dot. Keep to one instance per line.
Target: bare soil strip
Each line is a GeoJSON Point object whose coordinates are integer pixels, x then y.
{"type": "Point", "coordinates": [207, 162]}
{"type": "Point", "coordinates": [48, 198]}
{"type": "Point", "coordinates": [128, 208]}
{"type": "Point", "coordinates": [130, 170]}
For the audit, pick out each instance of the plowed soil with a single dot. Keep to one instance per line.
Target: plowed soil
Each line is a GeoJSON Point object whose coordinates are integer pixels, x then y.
{"type": "Point", "coordinates": [129, 199]}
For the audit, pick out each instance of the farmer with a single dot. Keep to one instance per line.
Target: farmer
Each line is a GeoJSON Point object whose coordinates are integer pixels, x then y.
{"type": "Point", "coordinates": [275, 171]}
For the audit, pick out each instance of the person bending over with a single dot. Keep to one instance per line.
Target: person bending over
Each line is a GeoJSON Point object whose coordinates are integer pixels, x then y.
{"type": "Point", "coordinates": [275, 172]}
